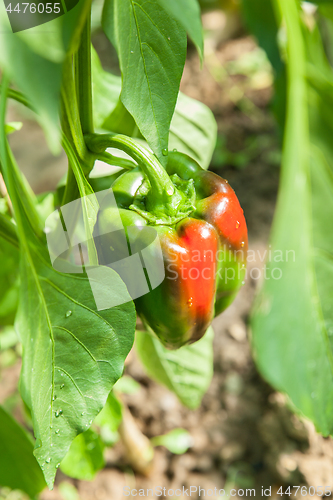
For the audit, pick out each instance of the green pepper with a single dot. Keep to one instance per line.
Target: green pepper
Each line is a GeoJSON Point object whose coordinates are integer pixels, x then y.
{"type": "Point", "coordinates": [203, 237]}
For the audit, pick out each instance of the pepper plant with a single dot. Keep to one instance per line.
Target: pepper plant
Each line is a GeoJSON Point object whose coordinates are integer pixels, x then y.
{"type": "Point", "coordinates": [73, 352]}
{"type": "Point", "coordinates": [74, 348]}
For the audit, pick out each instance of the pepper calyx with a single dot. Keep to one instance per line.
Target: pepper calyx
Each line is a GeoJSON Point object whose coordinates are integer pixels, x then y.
{"type": "Point", "coordinates": [180, 206]}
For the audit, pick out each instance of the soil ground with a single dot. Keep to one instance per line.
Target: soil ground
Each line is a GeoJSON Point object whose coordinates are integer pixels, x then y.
{"type": "Point", "coordinates": [243, 435]}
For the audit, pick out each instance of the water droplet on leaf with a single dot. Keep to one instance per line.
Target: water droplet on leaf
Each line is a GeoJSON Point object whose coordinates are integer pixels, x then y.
{"type": "Point", "coordinates": [237, 224]}
{"type": "Point", "coordinates": [68, 314]}
{"type": "Point", "coordinates": [57, 431]}
{"type": "Point", "coordinates": [165, 152]}
{"type": "Point", "coordinates": [175, 150]}
{"type": "Point", "coordinates": [48, 460]}
{"type": "Point", "coordinates": [58, 413]}
{"type": "Point", "coordinates": [62, 386]}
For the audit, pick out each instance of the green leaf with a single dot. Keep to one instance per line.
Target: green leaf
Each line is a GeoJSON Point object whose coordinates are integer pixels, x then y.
{"type": "Point", "coordinates": [127, 385]}
{"type": "Point", "coordinates": [13, 127]}
{"type": "Point", "coordinates": [85, 457]}
{"type": "Point", "coordinates": [33, 61]}
{"type": "Point", "coordinates": [8, 338]}
{"type": "Point", "coordinates": [72, 354]}
{"type": "Point", "coordinates": [187, 372]}
{"type": "Point", "coordinates": [177, 441]}
{"type": "Point", "coordinates": [193, 130]}
{"type": "Point", "coordinates": [260, 18]}
{"type": "Point", "coordinates": [109, 419]}
{"type": "Point", "coordinates": [8, 282]}
{"type": "Point", "coordinates": [41, 85]}
{"type": "Point", "coordinates": [68, 491]}
{"type": "Point", "coordinates": [188, 14]}
{"type": "Point", "coordinates": [292, 321]}
{"type": "Point", "coordinates": [18, 466]}
{"type": "Point", "coordinates": [106, 90]}
{"type": "Point", "coordinates": [151, 49]}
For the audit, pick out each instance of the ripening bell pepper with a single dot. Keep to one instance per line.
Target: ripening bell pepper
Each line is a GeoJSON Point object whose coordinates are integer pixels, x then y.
{"type": "Point", "coordinates": [203, 236]}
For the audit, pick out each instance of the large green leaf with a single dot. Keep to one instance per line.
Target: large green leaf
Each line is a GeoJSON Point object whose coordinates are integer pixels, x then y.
{"type": "Point", "coordinates": [8, 282]}
{"type": "Point", "coordinates": [177, 441]}
{"type": "Point", "coordinates": [193, 128]}
{"type": "Point", "coordinates": [293, 318]}
{"type": "Point", "coordinates": [72, 354]}
{"type": "Point", "coordinates": [109, 419]}
{"type": "Point", "coordinates": [260, 18]}
{"type": "Point", "coordinates": [187, 371]}
{"type": "Point", "coordinates": [33, 61]}
{"type": "Point", "coordinates": [151, 49]}
{"type": "Point", "coordinates": [187, 13]}
{"type": "Point", "coordinates": [85, 457]}
{"type": "Point", "coordinates": [106, 90]}
{"type": "Point", "coordinates": [18, 466]}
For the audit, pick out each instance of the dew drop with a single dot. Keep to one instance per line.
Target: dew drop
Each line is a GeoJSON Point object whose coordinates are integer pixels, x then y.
{"type": "Point", "coordinates": [57, 431]}
{"type": "Point", "coordinates": [54, 398]}
{"type": "Point", "coordinates": [68, 314]}
{"type": "Point", "coordinates": [57, 466]}
{"type": "Point", "coordinates": [132, 51]}
{"type": "Point", "coordinates": [174, 150]}
{"type": "Point", "coordinates": [170, 191]}
{"type": "Point", "coordinates": [82, 413]}
{"type": "Point", "coordinates": [90, 422]}
{"type": "Point", "coordinates": [237, 224]}
{"type": "Point", "coordinates": [243, 244]}
{"type": "Point", "coordinates": [58, 413]}
{"type": "Point", "coordinates": [190, 302]}
{"type": "Point", "coordinates": [62, 386]}
{"type": "Point", "coordinates": [51, 426]}
{"type": "Point", "coordinates": [165, 152]}
{"type": "Point", "coordinates": [48, 460]}
{"type": "Point", "coordinates": [168, 38]}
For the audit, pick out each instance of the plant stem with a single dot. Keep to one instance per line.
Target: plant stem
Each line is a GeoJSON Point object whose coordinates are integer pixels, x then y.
{"type": "Point", "coordinates": [115, 161]}
{"type": "Point", "coordinates": [19, 97]}
{"type": "Point", "coordinates": [161, 184]}
{"type": "Point", "coordinates": [70, 118]}
{"type": "Point", "coordinates": [77, 117]}
{"type": "Point", "coordinates": [83, 78]}
{"type": "Point", "coordinates": [139, 450]}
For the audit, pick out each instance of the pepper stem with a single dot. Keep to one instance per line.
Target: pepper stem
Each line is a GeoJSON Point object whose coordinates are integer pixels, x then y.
{"type": "Point", "coordinates": [163, 197]}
